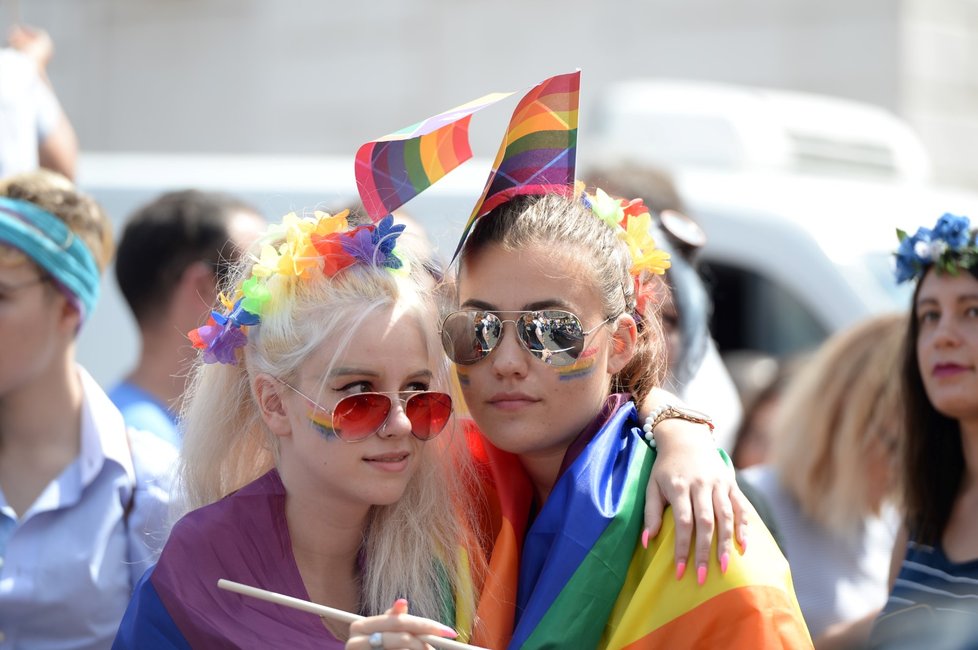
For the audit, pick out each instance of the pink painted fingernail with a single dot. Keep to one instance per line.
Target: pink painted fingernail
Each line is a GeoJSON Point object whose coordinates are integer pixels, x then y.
{"type": "Point", "coordinates": [447, 632]}
{"type": "Point", "coordinates": [743, 544]}
{"type": "Point", "coordinates": [701, 574]}
{"type": "Point", "coordinates": [724, 561]}
{"type": "Point", "coordinates": [645, 538]}
{"type": "Point", "coordinates": [680, 569]}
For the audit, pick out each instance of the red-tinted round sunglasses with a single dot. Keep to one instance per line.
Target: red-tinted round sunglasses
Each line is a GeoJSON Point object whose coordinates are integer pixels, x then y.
{"type": "Point", "coordinates": [357, 417]}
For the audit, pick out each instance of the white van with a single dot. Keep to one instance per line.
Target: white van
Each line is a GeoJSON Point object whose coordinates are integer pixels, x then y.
{"type": "Point", "coordinates": [799, 195]}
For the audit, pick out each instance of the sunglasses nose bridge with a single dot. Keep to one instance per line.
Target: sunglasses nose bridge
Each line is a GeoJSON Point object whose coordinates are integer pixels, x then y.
{"type": "Point", "coordinates": [397, 410]}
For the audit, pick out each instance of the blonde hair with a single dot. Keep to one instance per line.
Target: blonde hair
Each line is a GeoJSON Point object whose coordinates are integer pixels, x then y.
{"type": "Point", "coordinates": [410, 547]}
{"type": "Point", "coordinates": [841, 404]}
{"type": "Point", "coordinates": [58, 195]}
{"type": "Point", "coordinates": [569, 227]}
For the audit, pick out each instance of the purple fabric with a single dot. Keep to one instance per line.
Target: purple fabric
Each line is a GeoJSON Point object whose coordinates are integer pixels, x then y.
{"type": "Point", "coordinates": [245, 538]}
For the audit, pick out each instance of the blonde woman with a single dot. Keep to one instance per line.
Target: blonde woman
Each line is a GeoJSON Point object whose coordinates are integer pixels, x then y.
{"type": "Point", "coordinates": [317, 453]}
{"type": "Point", "coordinates": [832, 480]}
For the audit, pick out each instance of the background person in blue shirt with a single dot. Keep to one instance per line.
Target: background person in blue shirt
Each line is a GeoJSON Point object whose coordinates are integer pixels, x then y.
{"type": "Point", "coordinates": [170, 261]}
{"type": "Point", "coordinates": [82, 501]}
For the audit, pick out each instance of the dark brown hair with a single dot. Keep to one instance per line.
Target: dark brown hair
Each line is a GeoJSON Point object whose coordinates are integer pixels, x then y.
{"type": "Point", "coordinates": [570, 227]}
{"type": "Point", "coordinates": [934, 459]}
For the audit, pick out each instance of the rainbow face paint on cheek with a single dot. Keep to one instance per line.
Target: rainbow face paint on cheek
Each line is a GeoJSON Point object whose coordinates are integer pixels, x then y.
{"type": "Point", "coordinates": [582, 367]}
{"type": "Point", "coordinates": [322, 422]}
{"type": "Point", "coordinates": [462, 372]}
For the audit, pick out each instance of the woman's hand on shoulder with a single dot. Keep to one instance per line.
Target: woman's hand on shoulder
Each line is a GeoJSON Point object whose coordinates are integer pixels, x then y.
{"type": "Point", "coordinates": [395, 629]}
{"type": "Point", "coordinates": [690, 475]}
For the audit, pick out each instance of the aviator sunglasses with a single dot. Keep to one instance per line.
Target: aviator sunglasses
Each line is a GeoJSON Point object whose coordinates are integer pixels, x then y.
{"type": "Point", "coordinates": [357, 417]}
{"type": "Point", "coordinates": [553, 336]}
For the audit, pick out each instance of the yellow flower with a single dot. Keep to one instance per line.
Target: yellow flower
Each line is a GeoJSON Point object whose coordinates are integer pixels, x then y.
{"type": "Point", "coordinates": [267, 264]}
{"type": "Point", "coordinates": [327, 225]}
{"type": "Point", "coordinates": [654, 261]}
{"type": "Point", "coordinates": [297, 256]}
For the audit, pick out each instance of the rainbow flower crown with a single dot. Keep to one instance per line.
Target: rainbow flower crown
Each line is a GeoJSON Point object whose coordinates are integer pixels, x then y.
{"type": "Point", "coordinates": [632, 221]}
{"type": "Point", "coordinates": [949, 245]}
{"type": "Point", "coordinates": [298, 248]}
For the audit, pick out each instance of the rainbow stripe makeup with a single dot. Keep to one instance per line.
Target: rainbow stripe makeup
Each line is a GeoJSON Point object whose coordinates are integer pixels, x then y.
{"type": "Point", "coordinates": [462, 372]}
{"type": "Point", "coordinates": [582, 367]}
{"type": "Point", "coordinates": [322, 422]}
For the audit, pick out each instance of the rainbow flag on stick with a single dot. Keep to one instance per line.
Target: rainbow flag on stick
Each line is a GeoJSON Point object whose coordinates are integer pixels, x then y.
{"type": "Point", "coordinates": [538, 153]}
{"type": "Point", "coordinates": [392, 170]}
{"type": "Point", "coordinates": [578, 577]}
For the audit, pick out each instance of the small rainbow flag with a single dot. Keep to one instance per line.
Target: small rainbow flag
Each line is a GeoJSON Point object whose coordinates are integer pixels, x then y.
{"type": "Point", "coordinates": [538, 153]}
{"type": "Point", "coordinates": [577, 577]}
{"type": "Point", "coordinates": [392, 170]}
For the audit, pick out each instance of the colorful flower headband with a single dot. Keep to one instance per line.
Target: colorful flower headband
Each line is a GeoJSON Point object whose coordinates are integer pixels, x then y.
{"type": "Point", "coordinates": [322, 244]}
{"type": "Point", "coordinates": [633, 223]}
{"type": "Point", "coordinates": [950, 245]}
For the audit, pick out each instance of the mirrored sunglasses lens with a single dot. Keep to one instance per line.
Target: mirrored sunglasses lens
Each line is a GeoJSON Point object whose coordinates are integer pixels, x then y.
{"type": "Point", "coordinates": [357, 416]}
{"type": "Point", "coordinates": [428, 413]}
{"type": "Point", "coordinates": [469, 336]}
{"type": "Point", "coordinates": [555, 337]}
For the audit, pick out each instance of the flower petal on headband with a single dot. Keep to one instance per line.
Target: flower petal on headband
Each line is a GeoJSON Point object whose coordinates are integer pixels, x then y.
{"type": "Point", "coordinates": [634, 208]}
{"type": "Point", "coordinates": [641, 245]}
{"type": "Point", "coordinates": [220, 339]}
{"type": "Point", "coordinates": [374, 245]}
{"type": "Point", "coordinates": [607, 208]}
{"type": "Point", "coordinates": [327, 225]}
{"type": "Point", "coordinates": [226, 302]}
{"type": "Point", "coordinates": [952, 229]}
{"type": "Point", "coordinates": [204, 335]}
{"type": "Point", "coordinates": [360, 244]}
{"type": "Point", "coordinates": [654, 261]}
{"type": "Point", "coordinates": [335, 257]}
{"type": "Point", "coordinates": [224, 347]}
{"type": "Point", "coordinates": [385, 236]}
{"type": "Point", "coordinates": [256, 296]}
{"type": "Point", "coordinates": [268, 264]}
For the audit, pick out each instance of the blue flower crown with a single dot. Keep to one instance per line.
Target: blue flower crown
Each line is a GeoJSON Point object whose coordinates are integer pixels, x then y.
{"type": "Point", "coordinates": [949, 245]}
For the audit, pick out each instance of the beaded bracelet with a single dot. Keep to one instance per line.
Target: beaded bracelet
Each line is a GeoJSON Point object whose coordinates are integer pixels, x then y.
{"type": "Point", "coordinates": [669, 411]}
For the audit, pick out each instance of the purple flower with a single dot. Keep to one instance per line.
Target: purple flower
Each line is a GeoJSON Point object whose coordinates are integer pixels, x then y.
{"type": "Point", "coordinates": [360, 245]}
{"type": "Point", "coordinates": [954, 230]}
{"type": "Point", "coordinates": [223, 347]}
{"type": "Point", "coordinates": [385, 237]}
{"type": "Point", "coordinates": [374, 245]}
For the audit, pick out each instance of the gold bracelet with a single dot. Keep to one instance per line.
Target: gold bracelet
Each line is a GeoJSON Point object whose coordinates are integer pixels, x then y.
{"type": "Point", "coordinates": [669, 411]}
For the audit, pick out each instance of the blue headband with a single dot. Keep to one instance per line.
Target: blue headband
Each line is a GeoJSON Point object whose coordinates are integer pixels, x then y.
{"type": "Point", "coordinates": [54, 247]}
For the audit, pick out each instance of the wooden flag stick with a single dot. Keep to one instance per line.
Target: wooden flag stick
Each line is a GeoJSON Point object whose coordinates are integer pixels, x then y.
{"type": "Point", "coordinates": [328, 612]}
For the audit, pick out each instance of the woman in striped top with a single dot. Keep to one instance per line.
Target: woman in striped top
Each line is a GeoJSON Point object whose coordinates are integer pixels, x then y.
{"type": "Point", "coordinates": [934, 600]}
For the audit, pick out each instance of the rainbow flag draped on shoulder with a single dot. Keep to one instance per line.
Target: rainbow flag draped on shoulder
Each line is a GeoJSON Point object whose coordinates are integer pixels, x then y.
{"type": "Point", "coordinates": [579, 570]}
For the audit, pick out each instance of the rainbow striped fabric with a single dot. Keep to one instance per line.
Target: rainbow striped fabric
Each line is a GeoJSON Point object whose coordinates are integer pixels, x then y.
{"type": "Point", "coordinates": [392, 170]}
{"type": "Point", "coordinates": [578, 577]}
{"type": "Point", "coordinates": [538, 153]}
